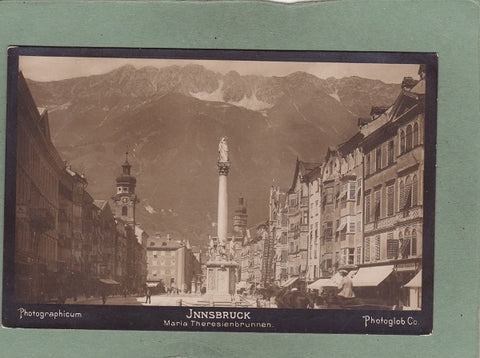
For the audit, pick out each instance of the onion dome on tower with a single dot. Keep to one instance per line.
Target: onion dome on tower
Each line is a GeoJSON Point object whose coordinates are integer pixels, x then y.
{"type": "Point", "coordinates": [125, 199]}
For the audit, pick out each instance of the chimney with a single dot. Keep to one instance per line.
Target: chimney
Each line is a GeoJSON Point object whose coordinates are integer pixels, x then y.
{"type": "Point", "coordinates": [408, 83]}
{"type": "Point", "coordinates": [363, 121]}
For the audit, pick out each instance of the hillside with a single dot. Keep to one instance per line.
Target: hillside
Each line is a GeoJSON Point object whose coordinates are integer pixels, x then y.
{"type": "Point", "coordinates": [171, 120]}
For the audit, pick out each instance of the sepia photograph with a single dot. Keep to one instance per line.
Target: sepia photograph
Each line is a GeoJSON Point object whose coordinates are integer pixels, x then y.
{"type": "Point", "coordinates": [219, 186]}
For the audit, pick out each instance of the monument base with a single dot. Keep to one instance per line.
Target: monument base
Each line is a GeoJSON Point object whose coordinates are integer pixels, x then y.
{"type": "Point", "coordinates": [221, 279]}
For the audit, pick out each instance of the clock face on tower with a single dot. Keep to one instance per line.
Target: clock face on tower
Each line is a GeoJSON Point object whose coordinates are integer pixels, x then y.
{"type": "Point", "coordinates": [125, 200]}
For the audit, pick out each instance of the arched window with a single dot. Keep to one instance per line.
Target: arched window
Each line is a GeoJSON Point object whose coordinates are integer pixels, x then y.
{"type": "Point", "coordinates": [408, 144]}
{"type": "Point", "coordinates": [408, 192]}
{"type": "Point", "coordinates": [415, 191]}
{"type": "Point", "coordinates": [415, 135]}
{"type": "Point", "coordinates": [402, 142]}
{"type": "Point", "coordinates": [414, 242]}
{"type": "Point", "coordinates": [401, 200]}
{"type": "Point", "coordinates": [405, 248]}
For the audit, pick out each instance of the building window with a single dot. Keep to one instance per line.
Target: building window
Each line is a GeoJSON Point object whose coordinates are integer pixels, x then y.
{"type": "Point", "coordinates": [352, 191]}
{"type": "Point", "coordinates": [367, 250]}
{"type": "Point", "coordinates": [351, 256]}
{"type": "Point", "coordinates": [124, 211]}
{"type": "Point", "coordinates": [409, 143]}
{"type": "Point", "coordinates": [415, 134]}
{"type": "Point", "coordinates": [415, 191]}
{"type": "Point", "coordinates": [402, 142]}
{"type": "Point", "coordinates": [414, 242]}
{"type": "Point", "coordinates": [305, 218]}
{"type": "Point", "coordinates": [390, 196]}
{"type": "Point", "coordinates": [367, 208]}
{"type": "Point", "coordinates": [359, 254]}
{"type": "Point", "coordinates": [405, 244]}
{"type": "Point", "coordinates": [378, 159]}
{"type": "Point", "coordinates": [377, 205]}
{"type": "Point", "coordinates": [351, 226]}
{"type": "Point", "coordinates": [390, 154]}
{"type": "Point", "coordinates": [329, 195]}
{"type": "Point", "coordinates": [408, 193]}
{"type": "Point", "coordinates": [377, 248]}
{"type": "Point", "coordinates": [401, 201]}
{"type": "Point", "coordinates": [392, 247]}
{"type": "Point", "coordinates": [367, 165]}
{"type": "Point", "coordinates": [328, 230]}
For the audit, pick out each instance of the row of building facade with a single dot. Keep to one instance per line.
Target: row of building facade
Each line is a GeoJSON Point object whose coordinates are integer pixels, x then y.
{"type": "Point", "coordinates": [66, 242]}
{"type": "Point", "coordinates": [360, 207]}
{"type": "Point", "coordinates": [173, 265]}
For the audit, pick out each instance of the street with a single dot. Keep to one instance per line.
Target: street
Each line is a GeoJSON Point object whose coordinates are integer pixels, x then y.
{"type": "Point", "coordinates": [164, 300]}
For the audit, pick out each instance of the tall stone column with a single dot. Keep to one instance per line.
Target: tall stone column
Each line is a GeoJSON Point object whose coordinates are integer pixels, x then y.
{"type": "Point", "coordinates": [220, 268]}
{"type": "Point", "coordinates": [222, 219]}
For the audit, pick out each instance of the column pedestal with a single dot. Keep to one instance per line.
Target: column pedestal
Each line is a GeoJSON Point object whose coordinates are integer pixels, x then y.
{"type": "Point", "coordinates": [221, 280]}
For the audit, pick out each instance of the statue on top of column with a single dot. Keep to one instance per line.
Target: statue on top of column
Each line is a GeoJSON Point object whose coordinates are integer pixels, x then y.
{"type": "Point", "coordinates": [223, 150]}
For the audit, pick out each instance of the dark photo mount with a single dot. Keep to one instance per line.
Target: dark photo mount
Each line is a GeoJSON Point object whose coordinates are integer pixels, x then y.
{"type": "Point", "coordinates": [314, 213]}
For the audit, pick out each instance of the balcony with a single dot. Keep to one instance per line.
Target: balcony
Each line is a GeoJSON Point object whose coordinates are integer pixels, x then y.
{"type": "Point", "coordinates": [410, 213]}
{"type": "Point", "coordinates": [405, 215]}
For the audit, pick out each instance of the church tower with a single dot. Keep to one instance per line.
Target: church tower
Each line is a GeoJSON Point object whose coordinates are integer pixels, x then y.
{"type": "Point", "coordinates": [125, 200]}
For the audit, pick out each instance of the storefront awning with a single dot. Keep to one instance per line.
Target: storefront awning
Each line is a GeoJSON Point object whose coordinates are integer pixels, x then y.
{"type": "Point", "coordinates": [416, 281]}
{"type": "Point", "coordinates": [371, 276]}
{"type": "Point", "coordinates": [323, 282]}
{"type": "Point", "coordinates": [109, 281]}
{"type": "Point", "coordinates": [333, 281]}
{"type": "Point", "coordinates": [289, 282]}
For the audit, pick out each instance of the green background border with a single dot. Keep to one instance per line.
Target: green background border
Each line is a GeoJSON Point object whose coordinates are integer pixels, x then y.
{"type": "Point", "coordinates": [447, 27]}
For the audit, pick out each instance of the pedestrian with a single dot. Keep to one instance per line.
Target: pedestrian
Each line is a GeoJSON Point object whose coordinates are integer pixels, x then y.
{"type": "Point", "coordinates": [104, 296]}
{"type": "Point", "coordinates": [148, 295]}
{"type": "Point", "coordinates": [346, 293]}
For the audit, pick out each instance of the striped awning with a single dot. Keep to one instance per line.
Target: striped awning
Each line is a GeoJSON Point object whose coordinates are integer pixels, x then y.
{"type": "Point", "coordinates": [415, 282]}
{"type": "Point", "coordinates": [371, 276]}
{"type": "Point", "coordinates": [289, 282]}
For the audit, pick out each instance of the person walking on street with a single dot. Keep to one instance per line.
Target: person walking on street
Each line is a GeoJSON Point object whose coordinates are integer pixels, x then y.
{"type": "Point", "coordinates": [104, 296]}
{"type": "Point", "coordinates": [148, 295]}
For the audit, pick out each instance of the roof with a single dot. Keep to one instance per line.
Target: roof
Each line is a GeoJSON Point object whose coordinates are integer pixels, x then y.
{"type": "Point", "coordinates": [419, 88]}
{"type": "Point", "coordinates": [351, 144]}
{"type": "Point", "coordinates": [314, 173]}
{"type": "Point", "coordinates": [303, 168]}
{"type": "Point", "coordinates": [163, 243]}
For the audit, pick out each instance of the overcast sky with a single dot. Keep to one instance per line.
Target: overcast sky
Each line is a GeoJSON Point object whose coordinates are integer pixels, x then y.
{"type": "Point", "coordinates": [58, 68]}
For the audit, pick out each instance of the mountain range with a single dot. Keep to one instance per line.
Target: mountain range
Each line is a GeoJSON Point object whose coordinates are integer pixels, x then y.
{"type": "Point", "coordinates": [171, 119]}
